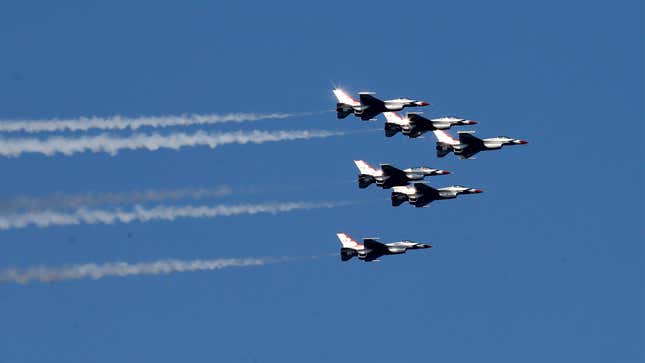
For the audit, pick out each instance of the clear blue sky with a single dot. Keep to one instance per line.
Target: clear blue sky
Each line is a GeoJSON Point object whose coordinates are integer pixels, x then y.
{"type": "Point", "coordinates": [546, 265]}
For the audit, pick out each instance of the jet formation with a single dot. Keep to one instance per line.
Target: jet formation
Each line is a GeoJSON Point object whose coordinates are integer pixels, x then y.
{"type": "Point", "coordinates": [419, 194]}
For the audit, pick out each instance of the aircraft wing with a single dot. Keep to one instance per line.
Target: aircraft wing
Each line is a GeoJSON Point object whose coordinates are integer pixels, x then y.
{"type": "Point", "coordinates": [395, 176]}
{"type": "Point", "coordinates": [369, 113]}
{"type": "Point", "coordinates": [421, 122]}
{"type": "Point", "coordinates": [372, 106]}
{"type": "Point", "coordinates": [369, 100]}
{"type": "Point", "coordinates": [425, 189]}
{"type": "Point", "coordinates": [392, 171]}
{"type": "Point", "coordinates": [428, 194]}
{"type": "Point", "coordinates": [468, 152]}
{"type": "Point", "coordinates": [377, 249]}
{"type": "Point", "coordinates": [469, 139]}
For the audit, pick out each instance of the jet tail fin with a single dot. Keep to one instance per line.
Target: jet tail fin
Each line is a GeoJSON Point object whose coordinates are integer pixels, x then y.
{"type": "Point", "coordinates": [393, 118]}
{"type": "Point", "coordinates": [364, 167]}
{"type": "Point", "coordinates": [344, 98]}
{"type": "Point", "coordinates": [345, 105]}
{"type": "Point", "coordinates": [445, 137]}
{"type": "Point", "coordinates": [348, 242]}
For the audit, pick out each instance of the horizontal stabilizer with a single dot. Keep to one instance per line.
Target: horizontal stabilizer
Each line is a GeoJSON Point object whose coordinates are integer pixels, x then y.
{"type": "Point", "coordinates": [398, 199]}
{"type": "Point", "coordinates": [365, 181]}
{"type": "Point", "coordinates": [443, 149]}
{"type": "Point", "coordinates": [346, 254]}
{"type": "Point", "coordinates": [391, 129]}
{"type": "Point", "coordinates": [342, 111]}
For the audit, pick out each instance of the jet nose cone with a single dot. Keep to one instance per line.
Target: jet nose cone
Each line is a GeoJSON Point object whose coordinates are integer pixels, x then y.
{"type": "Point", "coordinates": [477, 191]}
{"type": "Point", "coordinates": [471, 122]}
{"type": "Point", "coordinates": [522, 142]}
{"type": "Point", "coordinates": [421, 103]}
{"type": "Point", "coordinates": [444, 172]}
{"type": "Point", "coordinates": [427, 246]}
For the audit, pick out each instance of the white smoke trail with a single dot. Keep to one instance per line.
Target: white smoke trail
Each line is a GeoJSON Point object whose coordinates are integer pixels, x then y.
{"type": "Point", "coordinates": [133, 123]}
{"type": "Point", "coordinates": [142, 214]}
{"type": "Point", "coordinates": [62, 201]}
{"type": "Point", "coordinates": [122, 269]}
{"type": "Point", "coordinates": [113, 144]}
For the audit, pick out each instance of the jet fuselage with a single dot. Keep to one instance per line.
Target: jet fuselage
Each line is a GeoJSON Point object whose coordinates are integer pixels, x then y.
{"type": "Point", "coordinates": [420, 195]}
{"type": "Point", "coordinates": [469, 145]}
{"type": "Point", "coordinates": [388, 176]}
{"type": "Point", "coordinates": [414, 125]}
{"type": "Point", "coordinates": [371, 249]}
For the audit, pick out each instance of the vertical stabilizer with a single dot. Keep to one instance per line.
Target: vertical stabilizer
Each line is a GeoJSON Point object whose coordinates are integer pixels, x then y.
{"type": "Point", "coordinates": [345, 98]}
{"type": "Point", "coordinates": [393, 118]}
{"type": "Point", "coordinates": [444, 137]}
{"type": "Point", "coordinates": [365, 168]}
{"type": "Point", "coordinates": [348, 242]}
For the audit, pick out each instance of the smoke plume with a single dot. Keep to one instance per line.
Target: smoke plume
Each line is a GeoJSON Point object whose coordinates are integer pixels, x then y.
{"type": "Point", "coordinates": [142, 214]}
{"type": "Point", "coordinates": [133, 123]}
{"type": "Point", "coordinates": [113, 144]}
{"type": "Point", "coordinates": [90, 199]}
{"type": "Point", "coordinates": [123, 269]}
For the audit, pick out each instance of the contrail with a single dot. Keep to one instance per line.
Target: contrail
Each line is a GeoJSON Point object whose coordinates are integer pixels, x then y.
{"type": "Point", "coordinates": [90, 199]}
{"type": "Point", "coordinates": [133, 123]}
{"type": "Point", "coordinates": [113, 144]}
{"type": "Point", "coordinates": [141, 214]}
{"type": "Point", "coordinates": [122, 269]}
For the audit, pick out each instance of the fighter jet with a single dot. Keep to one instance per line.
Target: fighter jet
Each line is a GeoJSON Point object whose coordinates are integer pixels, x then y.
{"type": "Point", "coordinates": [415, 125]}
{"type": "Point", "coordinates": [389, 176]}
{"type": "Point", "coordinates": [371, 250]}
{"type": "Point", "coordinates": [421, 194]}
{"type": "Point", "coordinates": [469, 145]}
{"type": "Point", "coordinates": [369, 106]}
